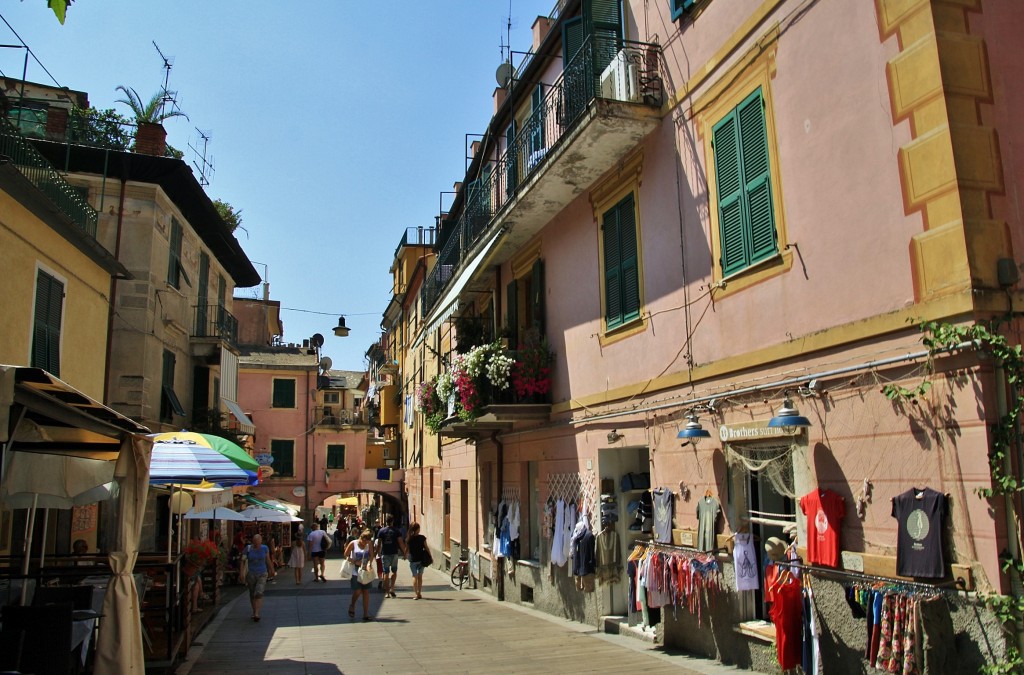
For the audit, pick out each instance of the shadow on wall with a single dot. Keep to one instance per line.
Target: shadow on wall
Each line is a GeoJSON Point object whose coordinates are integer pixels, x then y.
{"type": "Point", "coordinates": [829, 474]}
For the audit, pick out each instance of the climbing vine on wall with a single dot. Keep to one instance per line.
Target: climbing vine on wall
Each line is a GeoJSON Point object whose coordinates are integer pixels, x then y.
{"type": "Point", "coordinates": [945, 337]}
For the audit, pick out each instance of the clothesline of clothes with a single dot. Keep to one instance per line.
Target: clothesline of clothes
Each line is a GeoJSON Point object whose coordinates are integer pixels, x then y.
{"type": "Point", "coordinates": [662, 576]}
{"type": "Point", "coordinates": [505, 527]}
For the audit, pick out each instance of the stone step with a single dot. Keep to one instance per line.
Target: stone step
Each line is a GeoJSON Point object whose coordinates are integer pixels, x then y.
{"type": "Point", "coordinates": [619, 625]}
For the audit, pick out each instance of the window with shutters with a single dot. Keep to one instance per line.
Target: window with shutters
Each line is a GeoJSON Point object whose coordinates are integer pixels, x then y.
{"type": "Point", "coordinates": [619, 255]}
{"type": "Point", "coordinates": [335, 456]}
{"type": "Point", "coordinates": [524, 297]}
{"type": "Point", "coordinates": [47, 323]}
{"type": "Point", "coordinates": [746, 217]}
{"type": "Point", "coordinates": [678, 8]}
{"type": "Point", "coordinates": [283, 451]}
{"type": "Point", "coordinates": [169, 403]}
{"type": "Point", "coordinates": [736, 122]}
{"type": "Point", "coordinates": [617, 213]}
{"type": "Point", "coordinates": [174, 254]}
{"type": "Point", "coordinates": [283, 393]}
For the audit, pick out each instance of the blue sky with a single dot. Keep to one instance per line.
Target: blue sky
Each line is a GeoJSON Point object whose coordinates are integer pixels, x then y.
{"type": "Point", "coordinates": [334, 125]}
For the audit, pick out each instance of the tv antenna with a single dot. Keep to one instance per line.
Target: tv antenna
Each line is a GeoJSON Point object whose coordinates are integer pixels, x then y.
{"type": "Point", "coordinates": [168, 64]}
{"type": "Point", "coordinates": [505, 71]}
{"type": "Point", "coordinates": [203, 163]}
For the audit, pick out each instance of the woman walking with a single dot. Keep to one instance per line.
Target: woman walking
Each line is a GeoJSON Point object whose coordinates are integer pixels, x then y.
{"type": "Point", "coordinates": [418, 555]}
{"type": "Point", "coordinates": [360, 552]}
{"type": "Point", "coordinates": [297, 559]}
{"type": "Point", "coordinates": [259, 563]}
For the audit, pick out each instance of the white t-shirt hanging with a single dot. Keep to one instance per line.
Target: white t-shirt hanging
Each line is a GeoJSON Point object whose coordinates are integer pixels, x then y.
{"type": "Point", "coordinates": [744, 559]}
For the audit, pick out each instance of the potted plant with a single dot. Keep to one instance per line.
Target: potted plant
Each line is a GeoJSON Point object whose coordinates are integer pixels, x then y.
{"type": "Point", "coordinates": [531, 373]}
{"type": "Point", "coordinates": [198, 554]}
{"type": "Point", "coordinates": [430, 404]}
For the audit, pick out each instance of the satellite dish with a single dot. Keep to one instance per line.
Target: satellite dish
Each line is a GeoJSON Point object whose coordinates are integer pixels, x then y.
{"type": "Point", "coordinates": [326, 363]}
{"type": "Point", "coordinates": [503, 75]}
{"type": "Point", "coordinates": [317, 340]}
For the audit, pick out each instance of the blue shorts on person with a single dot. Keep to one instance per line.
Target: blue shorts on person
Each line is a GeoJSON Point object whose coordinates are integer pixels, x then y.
{"type": "Point", "coordinates": [389, 563]}
{"type": "Point", "coordinates": [416, 568]}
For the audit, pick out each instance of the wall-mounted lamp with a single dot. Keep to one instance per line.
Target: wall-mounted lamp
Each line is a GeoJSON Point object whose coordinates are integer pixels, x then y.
{"type": "Point", "coordinates": [614, 436]}
{"type": "Point", "coordinates": [341, 330]}
{"type": "Point", "coordinates": [788, 418]}
{"type": "Point", "coordinates": [693, 431]}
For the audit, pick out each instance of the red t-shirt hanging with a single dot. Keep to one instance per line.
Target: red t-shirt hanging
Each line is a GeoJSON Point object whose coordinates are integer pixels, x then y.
{"type": "Point", "coordinates": [825, 510]}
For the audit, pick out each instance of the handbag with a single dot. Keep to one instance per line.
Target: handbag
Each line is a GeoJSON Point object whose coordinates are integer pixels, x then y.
{"type": "Point", "coordinates": [426, 558]}
{"type": "Point", "coordinates": [326, 543]}
{"type": "Point", "coordinates": [366, 575]}
{"type": "Point", "coordinates": [347, 570]}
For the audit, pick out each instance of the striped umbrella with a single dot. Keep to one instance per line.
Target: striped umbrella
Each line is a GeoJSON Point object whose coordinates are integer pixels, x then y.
{"type": "Point", "coordinates": [183, 457]}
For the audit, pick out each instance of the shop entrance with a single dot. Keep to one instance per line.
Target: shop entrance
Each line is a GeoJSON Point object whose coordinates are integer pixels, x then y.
{"type": "Point", "coordinates": [763, 473]}
{"type": "Point", "coordinates": [613, 464]}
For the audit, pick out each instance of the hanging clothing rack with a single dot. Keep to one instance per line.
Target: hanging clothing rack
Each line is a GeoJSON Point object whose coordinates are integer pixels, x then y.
{"type": "Point", "coordinates": [688, 550]}
{"type": "Point", "coordinates": [958, 584]}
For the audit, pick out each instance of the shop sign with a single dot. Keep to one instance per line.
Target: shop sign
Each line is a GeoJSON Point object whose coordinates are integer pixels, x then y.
{"type": "Point", "coordinates": [299, 491]}
{"type": "Point", "coordinates": [265, 459]}
{"type": "Point", "coordinates": [266, 471]}
{"type": "Point", "coordinates": [753, 431]}
{"type": "Point", "coordinates": [206, 500]}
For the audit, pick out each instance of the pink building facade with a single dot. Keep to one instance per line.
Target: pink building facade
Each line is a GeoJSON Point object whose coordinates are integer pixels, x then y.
{"type": "Point", "coordinates": [310, 423]}
{"type": "Point", "coordinates": [710, 210]}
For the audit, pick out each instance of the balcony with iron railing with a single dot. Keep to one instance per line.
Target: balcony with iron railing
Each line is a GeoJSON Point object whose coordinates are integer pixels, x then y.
{"type": "Point", "coordinates": [600, 108]}
{"type": "Point", "coordinates": [335, 417]}
{"type": "Point", "coordinates": [214, 321]}
{"type": "Point", "coordinates": [71, 201]}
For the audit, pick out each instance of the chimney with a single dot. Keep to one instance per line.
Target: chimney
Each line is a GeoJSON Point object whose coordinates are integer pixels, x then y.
{"type": "Point", "coordinates": [540, 31]}
{"type": "Point", "coordinates": [457, 186]}
{"type": "Point", "coordinates": [474, 148]}
{"type": "Point", "coordinates": [56, 122]}
{"type": "Point", "coordinates": [151, 139]}
{"type": "Point", "coordinates": [500, 94]}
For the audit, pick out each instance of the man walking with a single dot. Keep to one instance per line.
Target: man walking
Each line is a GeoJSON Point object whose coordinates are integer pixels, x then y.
{"type": "Point", "coordinates": [389, 543]}
{"type": "Point", "coordinates": [317, 540]}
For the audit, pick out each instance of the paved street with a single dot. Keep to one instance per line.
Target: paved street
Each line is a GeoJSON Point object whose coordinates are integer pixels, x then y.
{"type": "Point", "coordinates": [305, 629]}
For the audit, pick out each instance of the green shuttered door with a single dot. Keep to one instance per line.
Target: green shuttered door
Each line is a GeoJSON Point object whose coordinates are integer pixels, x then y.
{"type": "Point", "coordinates": [46, 328]}
{"type": "Point", "coordinates": [621, 271]}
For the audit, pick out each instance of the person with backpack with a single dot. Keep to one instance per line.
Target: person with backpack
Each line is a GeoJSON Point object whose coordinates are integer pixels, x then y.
{"type": "Point", "coordinates": [389, 543]}
{"type": "Point", "coordinates": [319, 542]}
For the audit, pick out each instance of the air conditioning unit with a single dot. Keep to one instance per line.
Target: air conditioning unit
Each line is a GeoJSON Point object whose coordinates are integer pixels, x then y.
{"type": "Point", "coordinates": [620, 81]}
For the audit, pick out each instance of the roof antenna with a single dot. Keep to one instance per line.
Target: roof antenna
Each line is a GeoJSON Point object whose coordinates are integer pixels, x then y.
{"type": "Point", "coordinates": [203, 163]}
{"type": "Point", "coordinates": [167, 98]}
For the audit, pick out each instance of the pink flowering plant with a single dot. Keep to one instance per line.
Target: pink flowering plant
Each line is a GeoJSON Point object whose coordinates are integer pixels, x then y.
{"type": "Point", "coordinates": [430, 403]}
{"type": "Point", "coordinates": [531, 374]}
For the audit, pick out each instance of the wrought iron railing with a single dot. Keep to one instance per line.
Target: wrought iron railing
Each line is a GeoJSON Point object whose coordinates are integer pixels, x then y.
{"type": "Point", "coordinates": [69, 199]}
{"type": "Point", "coordinates": [417, 236]}
{"type": "Point", "coordinates": [558, 115]}
{"type": "Point", "coordinates": [212, 320]}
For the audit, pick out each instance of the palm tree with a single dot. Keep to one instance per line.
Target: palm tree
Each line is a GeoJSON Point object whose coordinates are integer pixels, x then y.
{"type": "Point", "coordinates": [153, 111]}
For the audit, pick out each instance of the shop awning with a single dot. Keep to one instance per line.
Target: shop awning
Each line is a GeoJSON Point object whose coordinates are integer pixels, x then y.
{"type": "Point", "coordinates": [265, 505]}
{"type": "Point", "coordinates": [450, 303]}
{"type": "Point", "coordinates": [245, 424]}
{"type": "Point", "coordinates": [53, 417]}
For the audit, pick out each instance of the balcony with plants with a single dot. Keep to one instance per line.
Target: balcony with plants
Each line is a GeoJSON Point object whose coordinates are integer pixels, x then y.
{"type": "Point", "coordinates": [68, 199]}
{"type": "Point", "coordinates": [602, 105]}
{"type": "Point", "coordinates": [489, 388]}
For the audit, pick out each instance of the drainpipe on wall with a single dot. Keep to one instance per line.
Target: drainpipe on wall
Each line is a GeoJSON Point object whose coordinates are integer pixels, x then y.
{"type": "Point", "coordinates": [499, 578]}
{"type": "Point", "coordinates": [113, 296]}
{"type": "Point", "coordinates": [308, 467]}
{"type": "Point", "coordinates": [1013, 543]}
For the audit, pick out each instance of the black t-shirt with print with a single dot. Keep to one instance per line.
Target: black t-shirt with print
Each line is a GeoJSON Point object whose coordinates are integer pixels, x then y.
{"type": "Point", "coordinates": [919, 515]}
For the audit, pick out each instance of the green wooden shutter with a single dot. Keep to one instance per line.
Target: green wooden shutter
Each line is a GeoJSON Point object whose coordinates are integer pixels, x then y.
{"type": "Point", "coordinates": [612, 271]}
{"type": "Point", "coordinates": [511, 161]}
{"type": "Point", "coordinates": [202, 326]}
{"type": "Point", "coordinates": [284, 394]}
{"type": "Point", "coordinates": [574, 75]}
{"type": "Point", "coordinates": [537, 287]}
{"type": "Point", "coordinates": [621, 268]}
{"type": "Point", "coordinates": [174, 255]}
{"type": "Point", "coordinates": [536, 121]}
{"type": "Point", "coordinates": [603, 22]}
{"type": "Point", "coordinates": [728, 175]}
{"type": "Point", "coordinates": [512, 312]}
{"type": "Point", "coordinates": [745, 211]}
{"type": "Point", "coordinates": [283, 452]}
{"type": "Point", "coordinates": [678, 7]}
{"type": "Point", "coordinates": [757, 177]}
{"type": "Point", "coordinates": [47, 323]}
{"type": "Point", "coordinates": [629, 275]}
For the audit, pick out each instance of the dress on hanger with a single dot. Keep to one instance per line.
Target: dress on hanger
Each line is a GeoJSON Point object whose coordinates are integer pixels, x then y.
{"type": "Point", "coordinates": [662, 499]}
